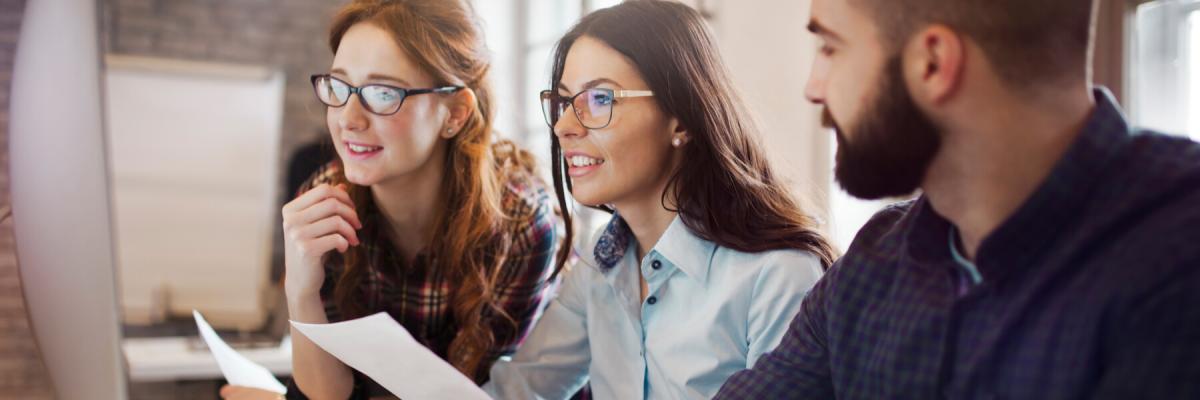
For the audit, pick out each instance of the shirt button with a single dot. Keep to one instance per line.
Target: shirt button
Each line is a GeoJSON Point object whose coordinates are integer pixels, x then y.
{"type": "Point", "coordinates": [656, 264]}
{"type": "Point", "coordinates": [651, 300]}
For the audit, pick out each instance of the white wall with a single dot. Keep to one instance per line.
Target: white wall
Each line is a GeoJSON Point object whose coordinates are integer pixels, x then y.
{"type": "Point", "coordinates": [769, 50]}
{"type": "Point", "coordinates": [770, 53]}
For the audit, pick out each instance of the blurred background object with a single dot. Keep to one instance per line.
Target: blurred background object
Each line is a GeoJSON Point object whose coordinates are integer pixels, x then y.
{"type": "Point", "coordinates": [191, 149]}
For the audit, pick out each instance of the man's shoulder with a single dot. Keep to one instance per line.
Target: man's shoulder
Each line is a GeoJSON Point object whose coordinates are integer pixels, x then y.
{"type": "Point", "coordinates": [1154, 157]}
{"type": "Point", "coordinates": [876, 245]}
{"type": "Point", "coordinates": [1153, 192]}
{"type": "Point", "coordinates": [886, 225]}
{"type": "Point", "coordinates": [1139, 225]}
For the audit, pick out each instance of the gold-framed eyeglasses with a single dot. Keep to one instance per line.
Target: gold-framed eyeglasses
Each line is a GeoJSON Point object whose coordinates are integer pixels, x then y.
{"type": "Point", "coordinates": [593, 107]}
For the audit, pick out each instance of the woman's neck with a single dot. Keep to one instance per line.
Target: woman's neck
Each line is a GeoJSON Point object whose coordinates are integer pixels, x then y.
{"type": "Point", "coordinates": [411, 203]}
{"type": "Point", "coordinates": [648, 219]}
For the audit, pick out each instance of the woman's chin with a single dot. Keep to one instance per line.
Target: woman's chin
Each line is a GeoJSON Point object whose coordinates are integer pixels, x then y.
{"type": "Point", "coordinates": [583, 195]}
{"type": "Point", "coordinates": [359, 178]}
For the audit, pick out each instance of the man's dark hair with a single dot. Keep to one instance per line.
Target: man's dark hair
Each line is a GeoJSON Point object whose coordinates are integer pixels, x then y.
{"type": "Point", "coordinates": [1028, 41]}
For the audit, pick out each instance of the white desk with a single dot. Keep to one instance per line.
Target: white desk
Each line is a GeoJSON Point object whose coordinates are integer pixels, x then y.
{"type": "Point", "coordinates": [173, 358]}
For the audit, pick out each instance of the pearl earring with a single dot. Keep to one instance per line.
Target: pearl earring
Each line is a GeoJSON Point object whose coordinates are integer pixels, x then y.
{"type": "Point", "coordinates": [677, 141]}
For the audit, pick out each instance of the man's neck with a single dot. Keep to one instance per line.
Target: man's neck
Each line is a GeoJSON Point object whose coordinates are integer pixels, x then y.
{"type": "Point", "coordinates": [997, 157]}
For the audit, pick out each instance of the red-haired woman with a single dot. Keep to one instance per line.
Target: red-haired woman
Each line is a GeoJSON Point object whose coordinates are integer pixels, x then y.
{"type": "Point", "coordinates": [423, 216]}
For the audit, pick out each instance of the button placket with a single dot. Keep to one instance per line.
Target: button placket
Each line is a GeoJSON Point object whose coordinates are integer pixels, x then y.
{"type": "Point", "coordinates": [656, 265]}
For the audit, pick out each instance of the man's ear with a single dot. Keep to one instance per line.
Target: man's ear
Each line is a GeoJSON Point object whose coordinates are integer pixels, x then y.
{"type": "Point", "coordinates": [462, 105]}
{"type": "Point", "coordinates": [934, 62]}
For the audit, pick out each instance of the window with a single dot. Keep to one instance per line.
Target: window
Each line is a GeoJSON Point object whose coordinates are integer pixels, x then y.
{"type": "Point", "coordinates": [1165, 67]}
{"type": "Point", "coordinates": [1194, 76]}
{"type": "Point", "coordinates": [521, 35]}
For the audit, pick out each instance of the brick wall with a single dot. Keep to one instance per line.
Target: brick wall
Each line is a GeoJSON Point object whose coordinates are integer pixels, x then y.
{"type": "Point", "coordinates": [22, 373]}
{"type": "Point", "coordinates": [285, 34]}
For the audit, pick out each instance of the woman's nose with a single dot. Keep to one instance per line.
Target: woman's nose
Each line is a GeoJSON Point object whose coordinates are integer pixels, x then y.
{"type": "Point", "coordinates": [353, 115]}
{"type": "Point", "coordinates": [568, 125]}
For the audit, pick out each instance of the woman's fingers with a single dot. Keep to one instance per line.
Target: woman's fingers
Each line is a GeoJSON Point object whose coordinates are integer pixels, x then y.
{"type": "Point", "coordinates": [231, 392]}
{"type": "Point", "coordinates": [244, 393]}
{"type": "Point", "coordinates": [319, 211]}
{"type": "Point", "coordinates": [326, 244]}
{"type": "Point", "coordinates": [330, 225]}
{"type": "Point", "coordinates": [306, 199]}
{"type": "Point", "coordinates": [340, 193]}
{"type": "Point", "coordinates": [316, 195]}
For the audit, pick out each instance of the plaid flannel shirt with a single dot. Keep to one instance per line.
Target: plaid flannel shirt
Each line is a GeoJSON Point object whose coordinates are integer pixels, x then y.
{"type": "Point", "coordinates": [419, 297]}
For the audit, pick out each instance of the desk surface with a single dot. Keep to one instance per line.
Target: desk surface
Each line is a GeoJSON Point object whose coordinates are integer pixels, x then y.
{"type": "Point", "coordinates": [178, 358]}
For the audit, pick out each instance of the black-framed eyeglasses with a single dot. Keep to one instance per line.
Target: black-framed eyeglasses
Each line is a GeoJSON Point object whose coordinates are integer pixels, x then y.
{"type": "Point", "coordinates": [593, 107]}
{"type": "Point", "coordinates": [378, 99]}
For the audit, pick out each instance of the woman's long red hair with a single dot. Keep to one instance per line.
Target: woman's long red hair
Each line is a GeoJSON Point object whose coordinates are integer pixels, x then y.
{"type": "Point", "coordinates": [443, 38]}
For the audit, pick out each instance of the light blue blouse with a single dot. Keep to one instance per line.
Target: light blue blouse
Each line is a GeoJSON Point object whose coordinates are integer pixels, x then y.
{"type": "Point", "coordinates": [710, 312]}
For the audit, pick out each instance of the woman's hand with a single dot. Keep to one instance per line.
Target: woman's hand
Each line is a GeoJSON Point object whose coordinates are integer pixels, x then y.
{"type": "Point", "coordinates": [319, 221]}
{"type": "Point", "coordinates": [230, 392]}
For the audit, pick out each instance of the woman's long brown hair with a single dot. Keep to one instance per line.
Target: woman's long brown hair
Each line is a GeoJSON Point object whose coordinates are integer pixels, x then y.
{"type": "Point", "coordinates": [444, 39]}
{"type": "Point", "coordinates": [724, 189]}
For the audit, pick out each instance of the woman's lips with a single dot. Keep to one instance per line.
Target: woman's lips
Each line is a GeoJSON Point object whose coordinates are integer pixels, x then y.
{"type": "Point", "coordinates": [361, 151]}
{"type": "Point", "coordinates": [581, 164]}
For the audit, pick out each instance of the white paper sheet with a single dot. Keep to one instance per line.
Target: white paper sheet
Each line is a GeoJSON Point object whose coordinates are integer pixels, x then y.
{"type": "Point", "coordinates": [238, 370]}
{"type": "Point", "coordinates": [383, 350]}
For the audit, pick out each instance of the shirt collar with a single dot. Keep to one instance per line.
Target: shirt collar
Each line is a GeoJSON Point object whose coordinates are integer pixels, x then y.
{"type": "Point", "coordinates": [685, 250]}
{"type": "Point", "coordinates": [610, 247]}
{"type": "Point", "coordinates": [678, 245]}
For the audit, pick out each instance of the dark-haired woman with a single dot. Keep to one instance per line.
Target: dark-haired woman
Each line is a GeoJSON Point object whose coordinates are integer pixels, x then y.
{"type": "Point", "coordinates": [707, 256]}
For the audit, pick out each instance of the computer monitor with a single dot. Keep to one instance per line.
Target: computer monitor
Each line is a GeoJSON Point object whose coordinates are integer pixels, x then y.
{"type": "Point", "coordinates": [60, 196]}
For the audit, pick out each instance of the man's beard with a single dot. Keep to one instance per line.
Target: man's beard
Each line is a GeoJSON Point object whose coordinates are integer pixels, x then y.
{"type": "Point", "coordinates": [893, 143]}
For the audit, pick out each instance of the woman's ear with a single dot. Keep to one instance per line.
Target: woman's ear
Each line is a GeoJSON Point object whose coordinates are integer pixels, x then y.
{"type": "Point", "coordinates": [462, 106]}
{"type": "Point", "coordinates": [679, 134]}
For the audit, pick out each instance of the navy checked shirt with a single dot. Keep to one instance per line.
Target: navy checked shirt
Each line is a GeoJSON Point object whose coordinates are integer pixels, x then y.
{"type": "Point", "coordinates": [1090, 290]}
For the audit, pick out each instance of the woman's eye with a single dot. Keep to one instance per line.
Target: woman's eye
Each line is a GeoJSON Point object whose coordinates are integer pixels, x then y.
{"type": "Point", "coordinates": [340, 92]}
{"type": "Point", "coordinates": [386, 95]}
{"type": "Point", "coordinates": [826, 50]}
{"type": "Point", "coordinates": [602, 99]}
